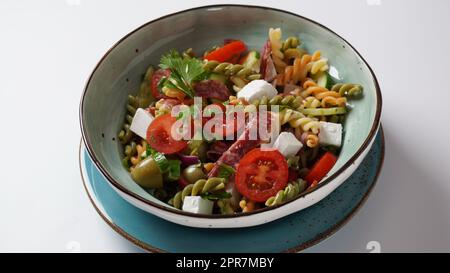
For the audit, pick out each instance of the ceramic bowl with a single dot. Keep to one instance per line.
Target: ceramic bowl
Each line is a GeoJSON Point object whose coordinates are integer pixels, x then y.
{"type": "Point", "coordinates": [118, 74]}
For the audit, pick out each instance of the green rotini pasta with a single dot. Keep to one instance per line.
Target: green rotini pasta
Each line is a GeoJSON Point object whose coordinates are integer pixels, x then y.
{"type": "Point", "coordinates": [210, 50]}
{"type": "Point", "coordinates": [188, 53]}
{"type": "Point", "coordinates": [289, 43]}
{"type": "Point", "coordinates": [239, 75]}
{"type": "Point", "coordinates": [348, 89]}
{"type": "Point", "coordinates": [289, 100]}
{"type": "Point", "coordinates": [292, 53]}
{"type": "Point", "coordinates": [225, 206]}
{"type": "Point", "coordinates": [293, 162]}
{"type": "Point", "coordinates": [229, 69]}
{"type": "Point", "coordinates": [311, 102]}
{"type": "Point", "coordinates": [201, 186]}
{"type": "Point", "coordinates": [129, 151]}
{"type": "Point", "coordinates": [125, 135]}
{"type": "Point", "coordinates": [290, 192]}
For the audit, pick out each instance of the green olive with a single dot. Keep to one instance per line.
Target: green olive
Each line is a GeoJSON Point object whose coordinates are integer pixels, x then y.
{"type": "Point", "coordinates": [193, 173]}
{"type": "Point", "coordinates": [147, 174]}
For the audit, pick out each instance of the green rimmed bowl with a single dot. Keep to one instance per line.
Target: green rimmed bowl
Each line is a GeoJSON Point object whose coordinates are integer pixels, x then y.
{"type": "Point", "coordinates": [118, 74]}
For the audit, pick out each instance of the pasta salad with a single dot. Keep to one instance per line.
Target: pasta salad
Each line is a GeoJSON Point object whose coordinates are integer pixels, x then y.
{"type": "Point", "coordinates": [235, 129]}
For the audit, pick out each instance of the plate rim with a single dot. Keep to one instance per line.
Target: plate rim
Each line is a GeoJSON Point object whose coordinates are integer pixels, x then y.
{"type": "Point", "coordinates": [317, 239]}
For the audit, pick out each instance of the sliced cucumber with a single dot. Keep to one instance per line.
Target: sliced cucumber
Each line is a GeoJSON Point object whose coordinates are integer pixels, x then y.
{"type": "Point", "coordinates": [325, 80]}
{"type": "Point", "coordinates": [252, 60]}
{"type": "Point", "coordinates": [323, 111]}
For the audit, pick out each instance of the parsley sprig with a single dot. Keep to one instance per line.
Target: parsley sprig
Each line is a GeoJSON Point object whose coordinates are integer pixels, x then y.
{"type": "Point", "coordinates": [184, 72]}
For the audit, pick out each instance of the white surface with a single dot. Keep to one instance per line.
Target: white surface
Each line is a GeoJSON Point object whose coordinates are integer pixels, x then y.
{"type": "Point", "coordinates": [49, 48]}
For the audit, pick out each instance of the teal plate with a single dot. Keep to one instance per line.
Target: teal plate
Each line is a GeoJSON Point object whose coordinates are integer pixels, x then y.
{"type": "Point", "coordinates": [289, 234]}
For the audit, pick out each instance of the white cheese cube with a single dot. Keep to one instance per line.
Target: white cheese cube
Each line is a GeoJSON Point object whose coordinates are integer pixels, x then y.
{"type": "Point", "coordinates": [287, 144]}
{"type": "Point", "coordinates": [140, 123]}
{"type": "Point", "coordinates": [196, 204]}
{"type": "Point", "coordinates": [330, 134]}
{"type": "Point", "coordinates": [257, 89]}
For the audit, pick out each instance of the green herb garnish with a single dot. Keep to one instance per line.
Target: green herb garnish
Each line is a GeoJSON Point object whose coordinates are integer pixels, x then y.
{"type": "Point", "coordinates": [170, 166]}
{"type": "Point", "coordinates": [225, 171]}
{"type": "Point", "coordinates": [183, 72]}
{"type": "Point", "coordinates": [174, 169]}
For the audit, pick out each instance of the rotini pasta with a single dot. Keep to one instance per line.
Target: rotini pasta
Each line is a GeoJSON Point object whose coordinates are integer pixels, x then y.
{"type": "Point", "coordinates": [225, 206]}
{"type": "Point", "coordinates": [330, 101]}
{"type": "Point", "coordinates": [238, 74]}
{"type": "Point", "coordinates": [311, 102]}
{"type": "Point", "coordinates": [289, 100]}
{"type": "Point", "coordinates": [313, 90]}
{"type": "Point", "coordinates": [188, 53]}
{"type": "Point", "coordinates": [129, 151]}
{"type": "Point", "coordinates": [290, 43]}
{"type": "Point", "coordinates": [317, 63]}
{"type": "Point", "coordinates": [348, 89]}
{"type": "Point", "coordinates": [139, 155]}
{"type": "Point", "coordinates": [125, 135]}
{"type": "Point", "coordinates": [276, 44]}
{"type": "Point", "coordinates": [297, 119]}
{"type": "Point", "coordinates": [229, 69]}
{"type": "Point", "coordinates": [296, 72]}
{"type": "Point", "coordinates": [290, 192]}
{"type": "Point", "coordinates": [247, 205]}
{"type": "Point", "coordinates": [201, 186]}
{"type": "Point", "coordinates": [174, 93]}
{"type": "Point", "coordinates": [162, 108]}
{"type": "Point", "coordinates": [293, 53]}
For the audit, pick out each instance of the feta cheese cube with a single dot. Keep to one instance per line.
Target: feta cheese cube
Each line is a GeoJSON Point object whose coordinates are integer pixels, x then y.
{"type": "Point", "coordinates": [330, 133]}
{"type": "Point", "coordinates": [197, 204]}
{"type": "Point", "coordinates": [257, 89]}
{"type": "Point", "coordinates": [287, 144]}
{"type": "Point", "coordinates": [140, 123]}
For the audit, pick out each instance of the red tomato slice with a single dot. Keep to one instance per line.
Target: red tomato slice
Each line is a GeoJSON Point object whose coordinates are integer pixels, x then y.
{"type": "Point", "coordinates": [261, 174]}
{"type": "Point", "coordinates": [157, 75]}
{"type": "Point", "coordinates": [321, 168]}
{"type": "Point", "coordinates": [227, 52]}
{"type": "Point", "coordinates": [159, 135]}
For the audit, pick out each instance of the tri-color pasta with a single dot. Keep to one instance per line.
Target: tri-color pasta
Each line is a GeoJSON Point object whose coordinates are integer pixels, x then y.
{"type": "Point", "coordinates": [222, 175]}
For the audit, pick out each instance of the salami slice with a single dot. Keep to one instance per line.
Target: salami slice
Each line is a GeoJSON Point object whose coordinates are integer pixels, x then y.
{"type": "Point", "coordinates": [267, 68]}
{"type": "Point", "coordinates": [238, 149]}
{"type": "Point", "coordinates": [212, 89]}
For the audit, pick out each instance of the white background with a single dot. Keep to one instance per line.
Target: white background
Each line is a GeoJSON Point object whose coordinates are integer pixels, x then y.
{"type": "Point", "coordinates": [48, 49]}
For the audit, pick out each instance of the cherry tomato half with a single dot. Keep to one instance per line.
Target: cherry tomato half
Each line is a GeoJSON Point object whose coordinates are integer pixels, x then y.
{"type": "Point", "coordinates": [261, 174]}
{"type": "Point", "coordinates": [159, 135]}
